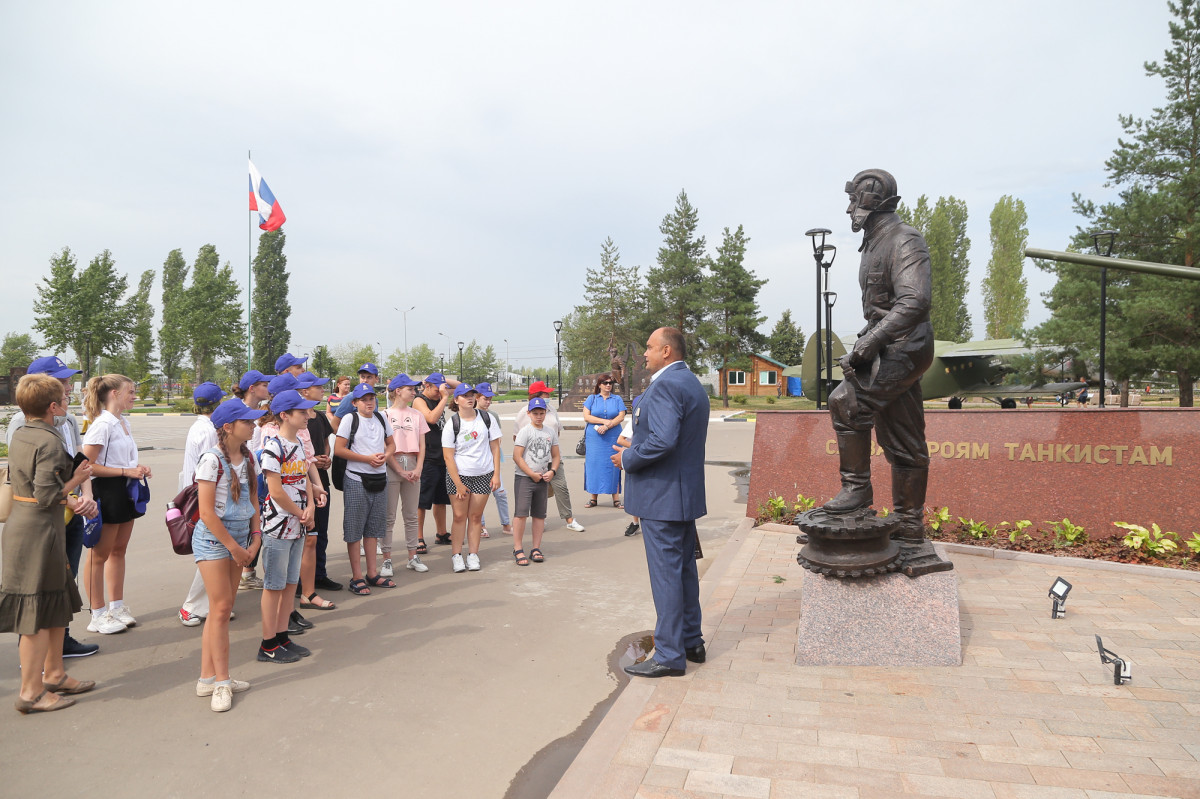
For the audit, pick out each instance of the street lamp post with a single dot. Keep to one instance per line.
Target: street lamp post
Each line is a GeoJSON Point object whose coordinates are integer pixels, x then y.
{"type": "Point", "coordinates": [447, 355]}
{"type": "Point", "coordinates": [394, 308]}
{"type": "Point", "coordinates": [460, 369]}
{"type": "Point", "coordinates": [558, 355]}
{"type": "Point", "coordinates": [819, 250]}
{"type": "Point", "coordinates": [507, 366]}
{"type": "Point", "coordinates": [1111, 235]}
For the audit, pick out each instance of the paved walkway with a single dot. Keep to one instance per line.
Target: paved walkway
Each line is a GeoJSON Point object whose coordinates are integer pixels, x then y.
{"type": "Point", "coordinates": [1031, 713]}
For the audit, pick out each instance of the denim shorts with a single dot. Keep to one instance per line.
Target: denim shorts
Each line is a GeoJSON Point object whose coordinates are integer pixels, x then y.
{"type": "Point", "coordinates": [281, 562]}
{"type": "Point", "coordinates": [206, 546]}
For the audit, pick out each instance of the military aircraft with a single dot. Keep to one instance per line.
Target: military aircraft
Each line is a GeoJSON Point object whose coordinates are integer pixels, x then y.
{"type": "Point", "coordinates": [968, 369]}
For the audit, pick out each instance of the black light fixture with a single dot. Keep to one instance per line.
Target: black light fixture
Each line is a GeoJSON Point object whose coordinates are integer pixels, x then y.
{"type": "Point", "coordinates": [1097, 244]}
{"type": "Point", "coordinates": [1121, 672]}
{"type": "Point", "coordinates": [461, 379]}
{"type": "Point", "coordinates": [818, 235]}
{"type": "Point", "coordinates": [558, 355]}
{"type": "Point", "coordinates": [1058, 595]}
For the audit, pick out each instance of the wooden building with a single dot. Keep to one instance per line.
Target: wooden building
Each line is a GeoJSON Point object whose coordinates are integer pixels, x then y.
{"type": "Point", "coordinates": [762, 378]}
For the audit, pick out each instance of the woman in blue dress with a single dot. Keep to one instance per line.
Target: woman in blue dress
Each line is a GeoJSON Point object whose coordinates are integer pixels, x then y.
{"type": "Point", "coordinates": [603, 411]}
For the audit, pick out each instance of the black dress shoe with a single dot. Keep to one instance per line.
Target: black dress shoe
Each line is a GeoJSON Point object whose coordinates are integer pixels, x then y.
{"type": "Point", "coordinates": [696, 654]}
{"type": "Point", "coordinates": [325, 584]}
{"type": "Point", "coordinates": [652, 668]}
{"type": "Point", "coordinates": [300, 621]}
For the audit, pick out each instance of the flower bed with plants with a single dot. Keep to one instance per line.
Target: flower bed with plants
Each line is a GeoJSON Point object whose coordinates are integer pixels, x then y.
{"type": "Point", "coordinates": [1152, 546]}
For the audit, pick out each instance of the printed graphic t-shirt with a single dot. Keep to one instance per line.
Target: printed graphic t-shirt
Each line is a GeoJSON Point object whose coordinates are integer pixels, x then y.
{"type": "Point", "coordinates": [473, 450]}
{"type": "Point", "coordinates": [286, 459]}
{"type": "Point", "coordinates": [538, 445]}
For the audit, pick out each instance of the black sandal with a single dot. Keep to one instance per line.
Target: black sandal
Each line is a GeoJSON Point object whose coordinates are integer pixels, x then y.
{"type": "Point", "coordinates": [519, 557]}
{"type": "Point", "coordinates": [379, 581]}
{"type": "Point", "coordinates": [591, 503]}
{"type": "Point", "coordinates": [536, 556]}
{"type": "Point", "coordinates": [422, 547]}
{"type": "Point", "coordinates": [359, 587]}
{"type": "Point", "coordinates": [443, 539]}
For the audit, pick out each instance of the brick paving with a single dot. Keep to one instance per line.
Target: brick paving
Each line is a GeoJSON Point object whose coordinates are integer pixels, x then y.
{"type": "Point", "coordinates": [1031, 713]}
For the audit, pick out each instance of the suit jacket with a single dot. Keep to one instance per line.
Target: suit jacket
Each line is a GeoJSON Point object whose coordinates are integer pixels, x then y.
{"type": "Point", "coordinates": [665, 465]}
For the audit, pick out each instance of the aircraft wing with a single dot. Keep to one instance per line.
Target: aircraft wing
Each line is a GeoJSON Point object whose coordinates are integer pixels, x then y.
{"type": "Point", "coordinates": [988, 390]}
{"type": "Point", "coordinates": [981, 349]}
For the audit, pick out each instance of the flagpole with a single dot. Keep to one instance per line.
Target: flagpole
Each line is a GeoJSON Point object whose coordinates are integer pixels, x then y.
{"type": "Point", "coordinates": [249, 277]}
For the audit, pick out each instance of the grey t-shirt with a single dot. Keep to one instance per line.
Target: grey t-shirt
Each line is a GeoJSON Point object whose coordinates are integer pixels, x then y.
{"type": "Point", "coordinates": [538, 445]}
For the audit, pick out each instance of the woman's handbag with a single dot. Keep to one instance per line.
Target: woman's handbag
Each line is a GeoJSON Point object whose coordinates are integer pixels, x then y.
{"type": "Point", "coordinates": [581, 447]}
{"type": "Point", "coordinates": [6, 495]}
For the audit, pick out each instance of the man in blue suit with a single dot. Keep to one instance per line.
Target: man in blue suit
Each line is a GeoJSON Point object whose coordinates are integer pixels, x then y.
{"type": "Point", "coordinates": [665, 487]}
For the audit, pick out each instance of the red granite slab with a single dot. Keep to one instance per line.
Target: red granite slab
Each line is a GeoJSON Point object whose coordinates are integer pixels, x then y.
{"type": "Point", "coordinates": [1092, 466]}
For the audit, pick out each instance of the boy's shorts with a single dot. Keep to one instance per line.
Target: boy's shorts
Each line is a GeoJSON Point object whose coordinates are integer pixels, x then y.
{"type": "Point", "coordinates": [530, 496]}
{"type": "Point", "coordinates": [433, 485]}
{"type": "Point", "coordinates": [281, 562]}
{"type": "Point", "coordinates": [365, 513]}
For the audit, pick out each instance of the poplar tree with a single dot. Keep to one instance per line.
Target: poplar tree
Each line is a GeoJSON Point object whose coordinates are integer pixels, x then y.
{"type": "Point", "coordinates": [730, 328]}
{"type": "Point", "coordinates": [172, 336]}
{"type": "Point", "coordinates": [214, 314]}
{"type": "Point", "coordinates": [269, 317]}
{"type": "Point", "coordinates": [948, 246]}
{"type": "Point", "coordinates": [142, 314]}
{"type": "Point", "coordinates": [1005, 289]}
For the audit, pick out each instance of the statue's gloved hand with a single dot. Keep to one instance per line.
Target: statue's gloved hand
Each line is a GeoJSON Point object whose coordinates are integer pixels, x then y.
{"type": "Point", "coordinates": [865, 350]}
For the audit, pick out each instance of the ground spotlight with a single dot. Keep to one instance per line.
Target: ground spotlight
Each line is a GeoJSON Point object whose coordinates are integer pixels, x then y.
{"type": "Point", "coordinates": [1121, 672]}
{"type": "Point", "coordinates": [1058, 593]}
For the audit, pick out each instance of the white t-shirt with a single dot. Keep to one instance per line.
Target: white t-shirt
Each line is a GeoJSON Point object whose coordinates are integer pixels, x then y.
{"type": "Point", "coordinates": [538, 445]}
{"type": "Point", "coordinates": [370, 439]}
{"type": "Point", "coordinates": [117, 448]}
{"type": "Point", "coordinates": [285, 458]}
{"type": "Point", "coordinates": [207, 468]}
{"type": "Point", "coordinates": [200, 439]}
{"type": "Point", "coordinates": [473, 450]}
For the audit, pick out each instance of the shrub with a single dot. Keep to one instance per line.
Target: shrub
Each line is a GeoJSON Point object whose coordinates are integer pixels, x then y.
{"type": "Point", "coordinates": [1155, 540]}
{"type": "Point", "coordinates": [739, 399]}
{"type": "Point", "coordinates": [1067, 534]}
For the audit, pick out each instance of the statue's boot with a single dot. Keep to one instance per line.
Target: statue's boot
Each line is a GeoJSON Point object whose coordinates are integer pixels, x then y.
{"type": "Point", "coordinates": [908, 494]}
{"type": "Point", "coordinates": [854, 451]}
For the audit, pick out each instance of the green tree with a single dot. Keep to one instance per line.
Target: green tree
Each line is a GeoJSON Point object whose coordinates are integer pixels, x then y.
{"type": "Point", "coordinates": [422, 360]}
{"type": "Point", "coordinates": [322, 363]}
{"type": "Point", "coordinates": [349, 357]}
{"type": "Point", "coordinates": [142, 313]}
{"type": "Point", "coordinates": [948, 247]}
{"type": "Point", "coordinates": [269, 330]}
{"type": "Point", "coordinates": [675, 287]}
{"type": "Point", "coordinates": [786, 341]}
{"type": "Point", "coordinates": [83, 311]}
{"type": "Point", "coordinates": [1005, 289]}
{"type": "Point", "coordinates": [731, 294]}
{"type": "Point", "coordinates": [1157, 217]}
{"type": "Point", "coordinates": [17, 352]}
{"type": "Point", "coordinates": [214, 315]}
{"type": "Point", "coordinates": [612, 311]}
{"type": "Point", "coordinates": [172, 335]}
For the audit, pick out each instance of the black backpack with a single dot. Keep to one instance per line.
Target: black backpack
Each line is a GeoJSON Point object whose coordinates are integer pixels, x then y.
{"type": "Point", "coordinates": [337, 474]}
{"type": "Point", "coordinates": [456, 422]}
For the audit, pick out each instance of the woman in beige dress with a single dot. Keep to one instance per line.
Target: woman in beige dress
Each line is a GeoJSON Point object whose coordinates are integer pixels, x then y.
{"type": "Point", "coordinates": [37, 590]}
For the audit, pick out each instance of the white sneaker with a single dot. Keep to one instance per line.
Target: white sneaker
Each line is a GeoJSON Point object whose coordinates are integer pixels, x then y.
{"type": "Point", "coordinates": [379, 549]}
{"type": "Point", "coordinates": [189, 620]}
{"type": "Point", "coordinates": [105, 624]}
{"type": "Point", "coordinates": [222, 699]}
{"type": "Point", "coordinates": [206, 688]}
{"type": "Point", "coordinates": [416, 565]}
{"type": "Point", "coordinates": [575, 525]}
{"type": "Point", "coordinates": [386, 569]}
{"type": "Point", "coordinates": [123, 615]}
{"type": "Point", "coordinates": [483, 533]}
{"type": "Point", "coordinates": [456, 561]}
{"type": "Point", "coordinates": [472, 562]}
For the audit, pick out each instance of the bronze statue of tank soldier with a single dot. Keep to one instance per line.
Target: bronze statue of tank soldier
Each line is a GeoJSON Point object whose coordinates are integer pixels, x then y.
{"type": "Point", "coordinates": [880, 390]}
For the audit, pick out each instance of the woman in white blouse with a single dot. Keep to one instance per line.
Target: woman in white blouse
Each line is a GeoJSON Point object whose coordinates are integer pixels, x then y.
{"type": "Point", "coordinates": [109, 445]}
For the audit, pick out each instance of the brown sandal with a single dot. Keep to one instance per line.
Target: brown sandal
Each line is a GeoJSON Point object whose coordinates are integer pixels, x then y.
{"type": "Point", "coordinates": [39, 704]}
{"type": "Point", "coordinates": [80, 687]}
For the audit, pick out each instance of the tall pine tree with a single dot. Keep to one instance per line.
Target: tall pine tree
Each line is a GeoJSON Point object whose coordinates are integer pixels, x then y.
{"type": "Point", "coordinates": [786, 341]}
{"type": "Point", "coordinates": [730, 328]}
{"type": "Point", "coordinates": [675, 287]}
{"type": "Point", "coordinates": [612, 310]}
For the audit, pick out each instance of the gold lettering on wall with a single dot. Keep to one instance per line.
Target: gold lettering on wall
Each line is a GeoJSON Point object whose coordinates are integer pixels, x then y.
{"type": "Point", "coordinates": [1048, 452]}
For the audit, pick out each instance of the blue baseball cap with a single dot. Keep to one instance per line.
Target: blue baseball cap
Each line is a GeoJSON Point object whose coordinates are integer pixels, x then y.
{"type": "Point", "coordinates": [369, 367]}
{"type": "Point", "coordinates": [290, 400]}
{"type": "Point", "coordinates": [485, 389]}
{"type": "Point", "coordinates": [436, 379]}
{"type": "Point", "coordinates": [208, 393]}
{"type": "Point", "coordinates": [313, 380]}
{"type": "Point", "coordinates": [51, 365]}
{"type": "Point", "coordinates": [401, 380]}
{"type": "Point", "coordinates": [233, 410]}
{"type": "Point", "coordinates": [287, 360]}
{"type": "Point", "coordinates": [464, 388]}
{"type": "Point", "coordinates": [537, 402]}
{"type": "Point", "coordinates": [362, 390]}
{"type": "Point", "coordinates": [250, 378]}
{"type": "Point", "coordinates": [281, 383]}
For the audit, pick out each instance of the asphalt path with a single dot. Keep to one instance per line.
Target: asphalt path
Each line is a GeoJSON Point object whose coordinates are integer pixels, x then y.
{"type": "Point", "coordinates": [444, 686]}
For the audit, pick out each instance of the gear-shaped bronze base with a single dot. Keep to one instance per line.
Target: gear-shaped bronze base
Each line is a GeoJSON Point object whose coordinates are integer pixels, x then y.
{"type": "Point", "coordinates": [859, 544]}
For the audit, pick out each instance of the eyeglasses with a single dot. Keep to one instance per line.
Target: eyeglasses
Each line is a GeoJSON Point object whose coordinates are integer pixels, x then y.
{"type": "Point", "coordinates": [606, 382]}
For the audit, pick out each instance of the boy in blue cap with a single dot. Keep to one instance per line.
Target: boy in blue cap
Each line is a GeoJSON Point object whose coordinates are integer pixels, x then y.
{"type": "Point", "coordinates": [365, 441]}
{"type": "Point", "coordinates": [368, 374]}
{"type": "Point", "coordinates": [536, 454]}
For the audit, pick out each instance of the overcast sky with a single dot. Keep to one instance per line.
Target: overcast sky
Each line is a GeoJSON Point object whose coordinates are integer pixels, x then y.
{"type": "Point", "coordinates": [469, 158]}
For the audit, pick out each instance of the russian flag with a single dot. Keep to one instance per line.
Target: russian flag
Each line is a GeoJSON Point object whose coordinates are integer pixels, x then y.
{"type": "Point", "coordinates": [270, 215]}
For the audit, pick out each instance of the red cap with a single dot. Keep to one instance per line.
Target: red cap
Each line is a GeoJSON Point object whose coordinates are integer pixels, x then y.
{"type": "Point", "coordinates": [539, 387]}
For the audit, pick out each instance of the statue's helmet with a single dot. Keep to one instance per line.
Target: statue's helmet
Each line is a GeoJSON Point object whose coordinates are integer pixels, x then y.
{"type": "Point", "coordinates": [871, 190]}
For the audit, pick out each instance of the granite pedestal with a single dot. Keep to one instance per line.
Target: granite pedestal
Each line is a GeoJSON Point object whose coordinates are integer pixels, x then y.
{"type": "Point", "coordinates": [891, 620]}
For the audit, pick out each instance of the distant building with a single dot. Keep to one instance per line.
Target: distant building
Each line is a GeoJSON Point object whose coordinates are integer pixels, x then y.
{"type": "Point", "coordinates": [762, 377]}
